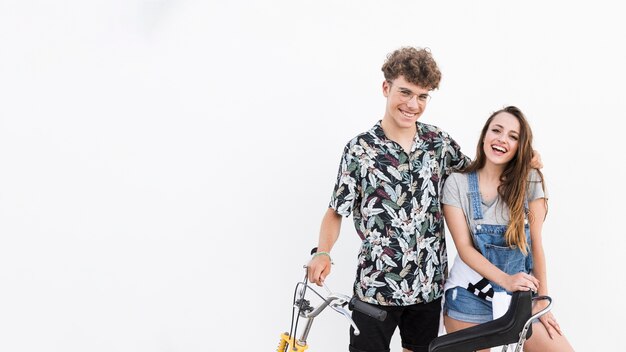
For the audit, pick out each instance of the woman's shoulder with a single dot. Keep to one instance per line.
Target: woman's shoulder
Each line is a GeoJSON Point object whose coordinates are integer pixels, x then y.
{"type": "Point", "coordinates": [457, 176]}
{"type": "Point", "coordinates": [536, 187]}
{"type": "Point", "coordinates": [456, 180]}
{"type": "Point", "coordinates": [534, 176]}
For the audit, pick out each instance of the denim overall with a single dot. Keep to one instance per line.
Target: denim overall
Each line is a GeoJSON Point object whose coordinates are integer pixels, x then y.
{"type": "Point", "coordinates": [489, 239]}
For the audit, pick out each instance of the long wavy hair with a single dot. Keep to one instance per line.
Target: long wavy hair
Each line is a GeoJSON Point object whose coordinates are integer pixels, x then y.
{"type": "Point", "coordinates": [514, 178]}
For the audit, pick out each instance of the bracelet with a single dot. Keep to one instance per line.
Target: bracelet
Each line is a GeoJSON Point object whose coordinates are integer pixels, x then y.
{"type": "Point", "coordinates": [324, 253]}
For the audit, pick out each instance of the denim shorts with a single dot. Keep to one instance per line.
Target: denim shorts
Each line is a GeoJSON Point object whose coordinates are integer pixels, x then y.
{"type": "Point", "coordinates": [461, 304]}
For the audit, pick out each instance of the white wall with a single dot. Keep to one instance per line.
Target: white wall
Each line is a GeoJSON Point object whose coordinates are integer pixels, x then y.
{"type": "Point", "coordinates": [164, 165]}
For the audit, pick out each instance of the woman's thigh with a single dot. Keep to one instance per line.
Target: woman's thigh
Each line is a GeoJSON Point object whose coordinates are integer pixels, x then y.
{"type": "Point", "coordinates": [540, 341]}
{"type": "Point", "coordinates": [453, 325]}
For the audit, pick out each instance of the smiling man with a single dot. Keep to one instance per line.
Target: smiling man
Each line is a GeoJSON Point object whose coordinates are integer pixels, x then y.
{"type": "Point", "coordinates": [390, 179]}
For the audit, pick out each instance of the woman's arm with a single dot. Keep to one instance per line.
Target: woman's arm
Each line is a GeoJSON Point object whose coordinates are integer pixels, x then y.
{"type": "Point", "coordinates": [455, 219]}
{"type": "Point", "coordinates": [538, 209]}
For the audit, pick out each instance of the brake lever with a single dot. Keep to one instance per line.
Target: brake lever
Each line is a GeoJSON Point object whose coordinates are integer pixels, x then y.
{"type": "Point", "coordinates": [340, 309]}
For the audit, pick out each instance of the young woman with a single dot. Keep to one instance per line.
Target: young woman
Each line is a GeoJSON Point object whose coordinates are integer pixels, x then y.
{"type": "Point", "coordinates": [495, 211]}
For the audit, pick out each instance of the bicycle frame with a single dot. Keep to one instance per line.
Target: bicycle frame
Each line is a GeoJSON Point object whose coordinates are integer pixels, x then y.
{"type": "Point", "coordinates": [514, 327]}
{"type": "Point", "coordinates": [336, 301]}
{"type": "Point", "coordinates": [524, 334]}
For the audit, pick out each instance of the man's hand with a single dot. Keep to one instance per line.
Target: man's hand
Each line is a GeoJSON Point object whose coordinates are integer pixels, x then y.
{"type": "Point", "coordinates": [318, 268]}
{"type": "Point", "coordinates": [535, 162]}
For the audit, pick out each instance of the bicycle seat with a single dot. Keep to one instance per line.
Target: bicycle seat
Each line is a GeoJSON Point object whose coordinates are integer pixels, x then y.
{"type": "Point", "coordinates": [498, 332]}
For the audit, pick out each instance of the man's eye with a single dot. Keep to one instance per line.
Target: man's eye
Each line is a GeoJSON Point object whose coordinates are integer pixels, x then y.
{"type": "Point", "coordinates": [423, 97]}
{"type": "Point", "coordinates": [405, 93]}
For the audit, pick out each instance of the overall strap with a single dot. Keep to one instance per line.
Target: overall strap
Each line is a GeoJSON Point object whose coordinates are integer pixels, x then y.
{"type": "Point", "coordinates": [474, 195]}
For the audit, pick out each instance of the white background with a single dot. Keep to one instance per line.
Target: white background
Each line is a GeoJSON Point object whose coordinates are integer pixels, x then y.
{"type": "Point", "coordinates": [164, 165]}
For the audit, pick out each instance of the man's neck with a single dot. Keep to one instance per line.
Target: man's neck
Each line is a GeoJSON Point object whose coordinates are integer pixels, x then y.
{"type": "Point", "coordinates": [402, 136]}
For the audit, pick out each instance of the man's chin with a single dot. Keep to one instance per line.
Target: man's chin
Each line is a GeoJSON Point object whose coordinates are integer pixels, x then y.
{"type": "Point", "coordinates": [406, 122]}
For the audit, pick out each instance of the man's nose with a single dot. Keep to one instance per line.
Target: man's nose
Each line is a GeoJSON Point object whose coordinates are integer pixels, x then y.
{"type": "Point", "coordinates": [413, 103]}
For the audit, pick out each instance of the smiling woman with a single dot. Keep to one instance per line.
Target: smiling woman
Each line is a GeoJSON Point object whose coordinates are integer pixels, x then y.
{"type": "Point", "coordinates": [495, 211]}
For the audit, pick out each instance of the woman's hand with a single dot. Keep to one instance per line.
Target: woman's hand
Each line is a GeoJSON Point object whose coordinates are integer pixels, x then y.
{"type": "Point", "coordinates": [520, 282]}
{"type": "Point", "coordinates": [549, 322]}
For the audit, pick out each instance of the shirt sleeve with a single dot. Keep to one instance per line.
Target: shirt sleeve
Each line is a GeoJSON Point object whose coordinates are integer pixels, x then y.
{"type": "Point", "coordinates": [535, 186]}
{"type": "Point", "coordinates": [456, 160]}
{"type": "Point", "coordinates": [451, 194]}
{"type": "Point", "coordinates": [345, 193]}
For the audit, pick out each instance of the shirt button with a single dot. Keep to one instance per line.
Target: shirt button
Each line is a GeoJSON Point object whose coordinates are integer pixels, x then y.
{"type": "Point", "coordinates": [478, 227]}
{"type": "Point", "coordinates": [525, 221]}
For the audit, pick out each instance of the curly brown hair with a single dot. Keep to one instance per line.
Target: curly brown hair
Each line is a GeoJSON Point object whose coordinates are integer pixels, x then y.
{"type": "Point", "coordinates": [416, 65]}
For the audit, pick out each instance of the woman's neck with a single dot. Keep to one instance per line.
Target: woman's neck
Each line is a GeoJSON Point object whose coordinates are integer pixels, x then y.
{"type": "Point", "coordinates": [491, 173]}
{"type": "Point", "coordinates": [489, 182]}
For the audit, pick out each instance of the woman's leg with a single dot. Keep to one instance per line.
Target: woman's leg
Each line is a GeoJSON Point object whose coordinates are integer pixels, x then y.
{"type": "Point", "coordinates": [453, 325]}
{"type": "Point", "coordinates": [540, 341]}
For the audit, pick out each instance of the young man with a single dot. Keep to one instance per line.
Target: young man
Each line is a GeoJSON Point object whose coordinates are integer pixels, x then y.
{"type": "Point", "coordinates": [390, 180]}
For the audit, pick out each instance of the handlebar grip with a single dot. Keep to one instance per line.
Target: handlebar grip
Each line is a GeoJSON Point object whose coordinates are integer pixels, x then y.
{"type": "Point", "coordinates": [367, 309]}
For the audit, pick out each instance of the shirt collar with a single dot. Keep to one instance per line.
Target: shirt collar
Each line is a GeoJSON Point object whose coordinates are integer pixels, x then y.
{"type": "Point", "coordinates": [378, 131]}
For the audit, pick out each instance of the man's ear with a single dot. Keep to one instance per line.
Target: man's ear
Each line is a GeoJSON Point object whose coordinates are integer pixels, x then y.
{"type": "Point", "coordinates": [386, 88]}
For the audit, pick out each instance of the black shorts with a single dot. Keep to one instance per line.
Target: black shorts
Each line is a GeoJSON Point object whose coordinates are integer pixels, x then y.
{"type": "Point", "coordinates": [418, 323]}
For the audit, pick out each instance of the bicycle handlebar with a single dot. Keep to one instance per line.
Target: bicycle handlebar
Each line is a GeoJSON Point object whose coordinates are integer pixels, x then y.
{"type": "Point", "coordinates": [336, 301]}
{"type": "Point", "coordinates": [367, 309]}
{"type": "Point", "coordinates": [356, 304]}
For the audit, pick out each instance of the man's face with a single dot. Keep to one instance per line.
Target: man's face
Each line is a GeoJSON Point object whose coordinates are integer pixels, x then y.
{"type": "Point", "coordinates": [405, 102]}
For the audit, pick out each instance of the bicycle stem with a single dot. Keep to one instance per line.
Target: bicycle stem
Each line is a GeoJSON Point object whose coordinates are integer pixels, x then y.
{"type": "Point", "coordinates": [336, 306]}
{"type": "Point", "coordinates": [522, 340]}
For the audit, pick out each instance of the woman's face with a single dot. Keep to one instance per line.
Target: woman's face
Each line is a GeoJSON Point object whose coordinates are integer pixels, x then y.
{"type": "Point", "coordinates": [502, 138]}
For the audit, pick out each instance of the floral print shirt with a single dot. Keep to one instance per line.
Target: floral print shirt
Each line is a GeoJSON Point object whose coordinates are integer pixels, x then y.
{"type": "Point", "coordinates": [394, 201]}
